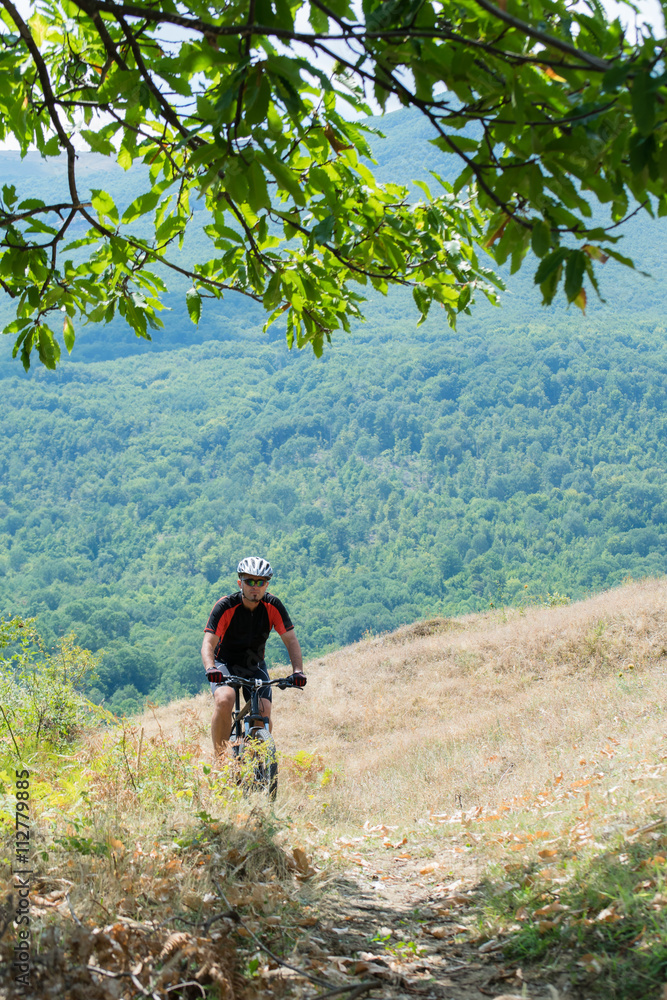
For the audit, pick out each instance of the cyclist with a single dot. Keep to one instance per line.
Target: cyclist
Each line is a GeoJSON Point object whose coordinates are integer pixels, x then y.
{"type": "Point", "coordinates": [234, 641]}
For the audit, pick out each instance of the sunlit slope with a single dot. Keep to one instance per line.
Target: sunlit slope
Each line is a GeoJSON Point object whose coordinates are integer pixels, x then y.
{"type": "Point", "coordinates": [487, 709]}
{"type": "Point", "coordinates": [511, 710]}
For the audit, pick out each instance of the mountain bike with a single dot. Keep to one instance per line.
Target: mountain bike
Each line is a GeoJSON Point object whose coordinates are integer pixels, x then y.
{"type": "Point", "coordinates": [253, 745]}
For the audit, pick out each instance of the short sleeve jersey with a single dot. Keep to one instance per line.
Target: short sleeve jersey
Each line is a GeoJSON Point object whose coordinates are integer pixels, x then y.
{"type": "Point", "coordinates": [242, 633]}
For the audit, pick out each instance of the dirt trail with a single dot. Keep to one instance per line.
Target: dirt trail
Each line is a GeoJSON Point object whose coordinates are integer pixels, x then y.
{"type": "Point", "coordinates": [390, 922]}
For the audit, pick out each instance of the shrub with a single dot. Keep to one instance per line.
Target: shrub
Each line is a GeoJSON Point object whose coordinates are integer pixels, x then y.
{"type": "Point", "coordinates": [41, 701]}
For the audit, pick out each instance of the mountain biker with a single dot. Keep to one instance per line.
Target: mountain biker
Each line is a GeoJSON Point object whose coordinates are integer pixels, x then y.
{"type": "Point", "coordinates": [234, 641]}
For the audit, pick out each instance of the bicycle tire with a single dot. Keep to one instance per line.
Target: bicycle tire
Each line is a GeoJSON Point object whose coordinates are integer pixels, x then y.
{"type": "Point", "coordinates": [260, 748]}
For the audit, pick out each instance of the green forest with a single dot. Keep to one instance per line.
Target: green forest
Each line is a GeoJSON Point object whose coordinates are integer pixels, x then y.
{"type": "Point", "coordinates": [408, 472]}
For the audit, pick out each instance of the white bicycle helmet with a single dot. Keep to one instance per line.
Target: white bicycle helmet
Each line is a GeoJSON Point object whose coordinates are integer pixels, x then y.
{"type": "Point", "coordinates": [255, 566]}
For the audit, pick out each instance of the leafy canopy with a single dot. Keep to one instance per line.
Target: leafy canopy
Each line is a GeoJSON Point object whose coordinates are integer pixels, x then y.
{"type": "Point", "coordinates": [245, 107]}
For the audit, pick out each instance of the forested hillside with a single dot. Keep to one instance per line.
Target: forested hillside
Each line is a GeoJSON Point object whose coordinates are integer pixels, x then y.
{"type": "Point", "coordinates": [412, 474]}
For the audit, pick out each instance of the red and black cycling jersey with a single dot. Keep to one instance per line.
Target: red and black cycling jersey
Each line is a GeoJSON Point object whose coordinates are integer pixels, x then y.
{"type": "Point", "coordinates": [242, 633]}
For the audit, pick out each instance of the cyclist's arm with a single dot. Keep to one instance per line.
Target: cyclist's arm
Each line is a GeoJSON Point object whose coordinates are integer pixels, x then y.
{"type": "Point", "coordinates": [208, 650]}
{"type": "Point", "coordinates": [294, 650]}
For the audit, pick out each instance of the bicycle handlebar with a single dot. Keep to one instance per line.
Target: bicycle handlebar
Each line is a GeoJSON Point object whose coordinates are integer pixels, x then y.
{"type": "Point", "coordinates": [217, 677]}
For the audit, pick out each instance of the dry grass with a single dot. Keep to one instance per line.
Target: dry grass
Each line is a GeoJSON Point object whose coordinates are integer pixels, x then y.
{"type": "Point", "coordinates": [485, 708]}
{"type": "Point", "coordinates": [511, 730]}
{"type": "Point", "coordinates": [468, 712]}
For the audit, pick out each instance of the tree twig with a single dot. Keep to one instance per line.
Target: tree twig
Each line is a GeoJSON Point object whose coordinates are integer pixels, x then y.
{"type": "Point", "coordinates": [354, 989]}
{"type": "Point", "coordinates": [18, 752]}
{"type": "Point", "coordinates": [260, 944]}
{"type": "Point", "coordinates": [593, 62]}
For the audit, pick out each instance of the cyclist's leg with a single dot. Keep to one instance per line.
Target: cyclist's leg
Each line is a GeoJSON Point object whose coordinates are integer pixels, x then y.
{"type": "Point", "coordinates": [265, 709]}
{"type": "Point", "coordinates": [221, 721]}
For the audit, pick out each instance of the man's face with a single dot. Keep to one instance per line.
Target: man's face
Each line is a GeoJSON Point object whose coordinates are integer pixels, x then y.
{"type": "Point", "coordinates": [253, 588]}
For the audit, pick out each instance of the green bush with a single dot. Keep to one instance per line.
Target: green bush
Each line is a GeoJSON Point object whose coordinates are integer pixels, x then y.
{"type": "Point", "coordinates": [42, 706]}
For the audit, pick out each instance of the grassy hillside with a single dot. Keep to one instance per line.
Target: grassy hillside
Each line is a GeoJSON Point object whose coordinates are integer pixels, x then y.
{"type": "Point", "coordinates": [509, 769]}
{"type": "Point", "coordinates": [488, 790]}
{"type": "Point", "coordinates": [466, 715]}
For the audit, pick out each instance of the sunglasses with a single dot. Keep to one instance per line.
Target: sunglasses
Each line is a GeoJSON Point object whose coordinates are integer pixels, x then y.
{"type": "Point", "coordinates": [254, 583]}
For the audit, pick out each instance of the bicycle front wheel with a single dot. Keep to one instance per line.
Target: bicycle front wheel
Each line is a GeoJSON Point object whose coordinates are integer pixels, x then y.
{"type": "Point", "coordinates": [259, 756]}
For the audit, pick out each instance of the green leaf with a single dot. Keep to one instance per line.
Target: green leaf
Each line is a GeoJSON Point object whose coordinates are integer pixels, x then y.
{"type": "Point", "coordinates": [643, 101]}
{"type": "Point", "coordinates": [258, 193]}
{"type": "Point", "coordinates": [141, 206]}
{"type": "Point", "coordinates": [125, 158]}
{"type": "Point", "coordinates": [193, 302]}
{"type": "Point", "coordinates": [464, 297]}
{"type": "Point", "coordinates": [549, 265]}
{"type": "Point", "coordinates": [319, 21]}
{"type": "Point", "coordinates": [104, 205]}
{"type": "Point", "coordinates": [30, 203]}
{"type": "Point", "coordinates": [9, 195]}
{"type": "Point", "coordinates": [574, 273]}
{"type": "Point", "coordinates": [616, 76]}
{"type": "Point", "coordinates": [324, 230]}
{"type": "Point", "coordinates": [461, 142]}
{"type": "Point", "coordinates": [540, 238]}
{"type": "Point", "coordinates": [98, 143]}
{"type": "Point", "coordinates": [342, 8]}
{"type": "Point", "coordinates": [258, 104]}
{"type": "Point", "coordinates": [68, 333]}
{"type": "Point", "coordinates": [47, 347]}
{"type": "Point", "coordinates": [423, 298]}
{"type": "Point", "coordinates": [284, 176]}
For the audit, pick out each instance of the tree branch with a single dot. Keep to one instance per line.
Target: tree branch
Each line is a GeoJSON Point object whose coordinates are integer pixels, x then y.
{"type": "Point", "coordinates": [49, 96]}
{"type": "Point", "coordinates": [9, 220]}
{"type": "Point", "coordinates": [168, 112]}
{"type": "Point", "coordinates": [592, 62]}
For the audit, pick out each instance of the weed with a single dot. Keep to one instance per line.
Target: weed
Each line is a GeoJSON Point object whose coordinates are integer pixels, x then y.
{"type": "Point", "coordinates": [41, 701]}
{"type": "Point", "coordinates": [605, 923]}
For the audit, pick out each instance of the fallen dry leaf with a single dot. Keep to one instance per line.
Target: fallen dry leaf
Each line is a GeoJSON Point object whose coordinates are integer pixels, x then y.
{"type": "Point", "coordinates": [301, 859]}
{"type": "Point", "coordinates": [546, 925]}
{"type": "Point", "coordinates": [546, 911]}
{"type": "Point", "coordinates": [441, 931]}
{"type": "Point", "coordinates": [493, 945]}
{"type": "Point", "coordinates": [511, 996]}
{"type": "Point", "coordinates": [608, 915]}
{"type": "Point", "coordinates": [591, 963]}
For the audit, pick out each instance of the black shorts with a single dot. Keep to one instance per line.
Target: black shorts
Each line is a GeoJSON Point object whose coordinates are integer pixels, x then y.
{"type": "Point", "coordinates": [259, 671]}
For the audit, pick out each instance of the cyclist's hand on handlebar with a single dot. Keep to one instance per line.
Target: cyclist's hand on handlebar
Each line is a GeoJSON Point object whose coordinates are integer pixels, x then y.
{"type": "Point", "coordinates": [297, 679]}
{"type": "Point", "coordinates": [215, 676]}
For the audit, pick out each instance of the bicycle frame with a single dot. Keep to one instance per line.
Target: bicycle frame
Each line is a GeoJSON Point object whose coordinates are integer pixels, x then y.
{"type": "Point", "coordinates": [250, 732]}
{"type": "Point", "coordinates": [249, 718]}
